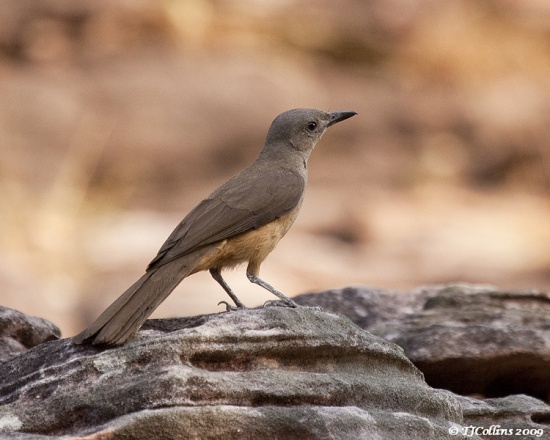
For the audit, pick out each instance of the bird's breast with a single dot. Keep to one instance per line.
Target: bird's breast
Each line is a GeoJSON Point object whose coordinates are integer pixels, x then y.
{"type": "Point", "coordinates": [252, 246]}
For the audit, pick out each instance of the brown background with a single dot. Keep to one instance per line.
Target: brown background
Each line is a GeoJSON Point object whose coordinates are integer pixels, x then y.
{"type": "Point", "coordinates": [117, 117]}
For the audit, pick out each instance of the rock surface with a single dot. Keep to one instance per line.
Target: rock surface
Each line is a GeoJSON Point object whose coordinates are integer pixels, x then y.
{"type": "Point", "coordinates": [19, 332]}
{"type": "Point", "coordinates": [521, 416]}
{"type": "Point", "coordinates": [292, 374]}
{"type": "Point", "coordinates": [267, 373]}
{"type": "Point", "coordinates": [467, 339]}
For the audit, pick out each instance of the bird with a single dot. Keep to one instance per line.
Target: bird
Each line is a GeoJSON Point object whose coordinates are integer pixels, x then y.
{"type": "Point", "coordinates": [240, 222]}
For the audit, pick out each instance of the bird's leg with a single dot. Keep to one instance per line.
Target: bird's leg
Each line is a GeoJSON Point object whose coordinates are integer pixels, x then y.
{"type": "Point", "coordinates": [286, 300]}
{"type": "Point", "coordinates": [216, 274]}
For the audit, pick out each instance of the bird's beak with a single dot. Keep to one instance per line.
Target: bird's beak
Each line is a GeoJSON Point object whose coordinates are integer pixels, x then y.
{"type": "Point", "coordinates": [339, 116]}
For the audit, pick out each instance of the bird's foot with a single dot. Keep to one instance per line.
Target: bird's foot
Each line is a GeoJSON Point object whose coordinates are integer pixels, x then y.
{"type": "Point", "coordinates": [291, 304]}
{"type": "Point", "coordinates": [281, 303]}
{"type": "Point", "coordinates": [230, 308]}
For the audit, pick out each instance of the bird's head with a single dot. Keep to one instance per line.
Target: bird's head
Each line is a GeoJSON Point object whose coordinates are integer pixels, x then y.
{"type": "Point", "coordinates": [300, 129]}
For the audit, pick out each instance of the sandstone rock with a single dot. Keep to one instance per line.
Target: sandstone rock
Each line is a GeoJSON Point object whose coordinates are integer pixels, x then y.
{"type": "Point", "coordinates": [366, 306]}
{"type": "Point", "coordinates": [467, 339]}
{"type": "Point", "coordinates": [266, 373]}
{"type": "Point", "coordinates": [521, 416]}
{"type": "Point", "coordinates": [19, 332]}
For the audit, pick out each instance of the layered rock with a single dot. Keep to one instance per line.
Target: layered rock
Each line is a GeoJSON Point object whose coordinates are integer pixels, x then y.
{"type": "Point", "coordinates": [267, 373]}
{"type": "Point", "coordinates": [517, 416]}
{"type": "Point", "coordinates": [295, 373]}
{"type": "Point", "coordinates": [467, 339]}
{"type": "Point", "coordinates": [19, 332]}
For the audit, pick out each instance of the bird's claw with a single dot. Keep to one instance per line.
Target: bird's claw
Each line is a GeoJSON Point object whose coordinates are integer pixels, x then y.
{"type": "Point", "coordinates": [280, 303]}
{"type": "Point", "coordinates": [230, 308]}
{"type": "Point", "coordinates": [291, 304]}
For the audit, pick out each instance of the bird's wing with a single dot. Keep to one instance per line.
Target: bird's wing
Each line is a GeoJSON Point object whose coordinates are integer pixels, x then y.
{"type": "Point", "coordinates": [247, 201]}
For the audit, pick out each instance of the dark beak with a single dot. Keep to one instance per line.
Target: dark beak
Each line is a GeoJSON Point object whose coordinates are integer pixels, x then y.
{"type": "Point", "coordinates": [339, 116]}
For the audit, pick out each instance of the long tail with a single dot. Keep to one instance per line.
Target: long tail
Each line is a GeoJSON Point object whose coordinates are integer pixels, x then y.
{"type": "Point", "coordinates": [126, 315]}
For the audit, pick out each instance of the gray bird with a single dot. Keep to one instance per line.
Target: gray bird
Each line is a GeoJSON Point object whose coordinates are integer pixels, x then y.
{"type": "Point", "coordinates": [240, 222]}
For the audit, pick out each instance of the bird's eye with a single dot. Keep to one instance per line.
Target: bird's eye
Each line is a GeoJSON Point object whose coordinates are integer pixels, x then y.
{"type": "Point", "coordinates": [311, 126]}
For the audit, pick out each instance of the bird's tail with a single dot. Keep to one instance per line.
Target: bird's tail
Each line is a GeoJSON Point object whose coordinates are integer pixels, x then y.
{"type": "Point", "coordinates": [126, 315]}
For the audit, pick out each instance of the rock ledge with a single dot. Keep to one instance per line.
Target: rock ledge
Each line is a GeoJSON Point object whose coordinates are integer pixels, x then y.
{"type": "Point", "coordinates": [274, 372]}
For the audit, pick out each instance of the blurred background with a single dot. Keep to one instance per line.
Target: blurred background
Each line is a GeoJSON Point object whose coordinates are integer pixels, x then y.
{"type": "Point", "coordinates": [117, 117]}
